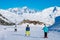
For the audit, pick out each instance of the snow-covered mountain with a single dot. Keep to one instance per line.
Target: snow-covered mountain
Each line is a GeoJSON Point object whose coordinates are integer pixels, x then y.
{"type": "Point", "coordinates": [21, 10]}
{"type": "Point", "coordinates": [46, 16]}
{"type": "Point", "coordinates": [9, 17]}
{"type": "Point", "coordinates": [56, 25]}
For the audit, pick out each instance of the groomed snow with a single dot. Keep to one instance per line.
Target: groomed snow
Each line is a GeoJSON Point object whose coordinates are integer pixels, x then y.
{"type": "Point", "coordinates": [36, 33]}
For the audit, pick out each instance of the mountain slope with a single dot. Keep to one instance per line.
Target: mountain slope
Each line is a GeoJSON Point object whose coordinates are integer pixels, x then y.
{"type": "Point", "coordinates": [9, 17]}
{"type": "Point", "coordinates": [5, 21]}
{"type": "Point", "coordinates": [46, 16]}
{"type": "Point", "coordinates": [56, 25]}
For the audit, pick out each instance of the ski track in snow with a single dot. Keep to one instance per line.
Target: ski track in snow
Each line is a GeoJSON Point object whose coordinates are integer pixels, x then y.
{"type": "Point", "coordinates": [36, 33]}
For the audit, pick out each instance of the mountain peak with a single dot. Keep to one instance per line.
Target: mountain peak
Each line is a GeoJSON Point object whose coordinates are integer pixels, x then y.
{"type": "Point", "coordinates": [55, 9]}
{"type": "Point", "coordinates": [22, 10]}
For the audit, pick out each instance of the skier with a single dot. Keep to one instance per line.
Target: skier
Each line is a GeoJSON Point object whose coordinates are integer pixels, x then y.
{"type": "Point", "coordinates": [45, 31]}
{"type": "Point", "coordinates": [15, 28]}
{"type": "Point", "coordinates": [27, 31]}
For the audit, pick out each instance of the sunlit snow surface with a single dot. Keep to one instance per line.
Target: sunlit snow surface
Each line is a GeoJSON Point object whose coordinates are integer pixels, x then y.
{"type": "Point", "coordinates": [7, 33]}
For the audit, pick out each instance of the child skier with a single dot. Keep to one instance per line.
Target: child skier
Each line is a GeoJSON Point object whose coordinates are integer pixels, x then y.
{"type": "Point", "coordinates": [27, 31]}
{"type": "Point", "coordinates": [45, 31]}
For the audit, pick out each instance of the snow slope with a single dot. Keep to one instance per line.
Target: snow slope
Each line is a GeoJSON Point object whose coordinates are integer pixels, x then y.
{"type": "Point", "coordinates": [56, 25]}
{"type": "Point", "coordinates": [11, 16]}
{"type": "Point", "coordinates": [36, 33]}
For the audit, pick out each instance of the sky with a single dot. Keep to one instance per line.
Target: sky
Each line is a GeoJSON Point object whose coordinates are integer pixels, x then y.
{"type": "Point", "coordinates": [33, 4]}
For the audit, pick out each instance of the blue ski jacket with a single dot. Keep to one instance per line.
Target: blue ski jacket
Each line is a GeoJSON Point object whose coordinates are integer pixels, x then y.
{"type": "Point", "coordinates": [45, 29]}
{"type": "Point", "coordinates": [27, 28]}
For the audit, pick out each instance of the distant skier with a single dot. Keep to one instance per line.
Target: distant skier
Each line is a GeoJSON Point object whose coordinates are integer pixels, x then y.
{"type": "Point", "coordinates": [15, 28]}
{"type": "Point", "coordinates": [27, 31]}
{"type": "Point", "coordinates": [45, 31]}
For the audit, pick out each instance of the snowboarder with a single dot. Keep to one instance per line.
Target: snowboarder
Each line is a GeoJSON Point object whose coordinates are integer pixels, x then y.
{"type": "Point", "coordinates": [45, 31]}
{"type": "Point", "coordinates": [27, 31]}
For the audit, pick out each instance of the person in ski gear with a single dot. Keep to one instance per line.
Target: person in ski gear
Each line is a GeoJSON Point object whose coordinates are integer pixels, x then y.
{"type": "Point", "coordinates": [15, 28]}
{"type": "Point", "coordinates": [27, 31]}
{"type": "Point", "coordinates": [45, 28]}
